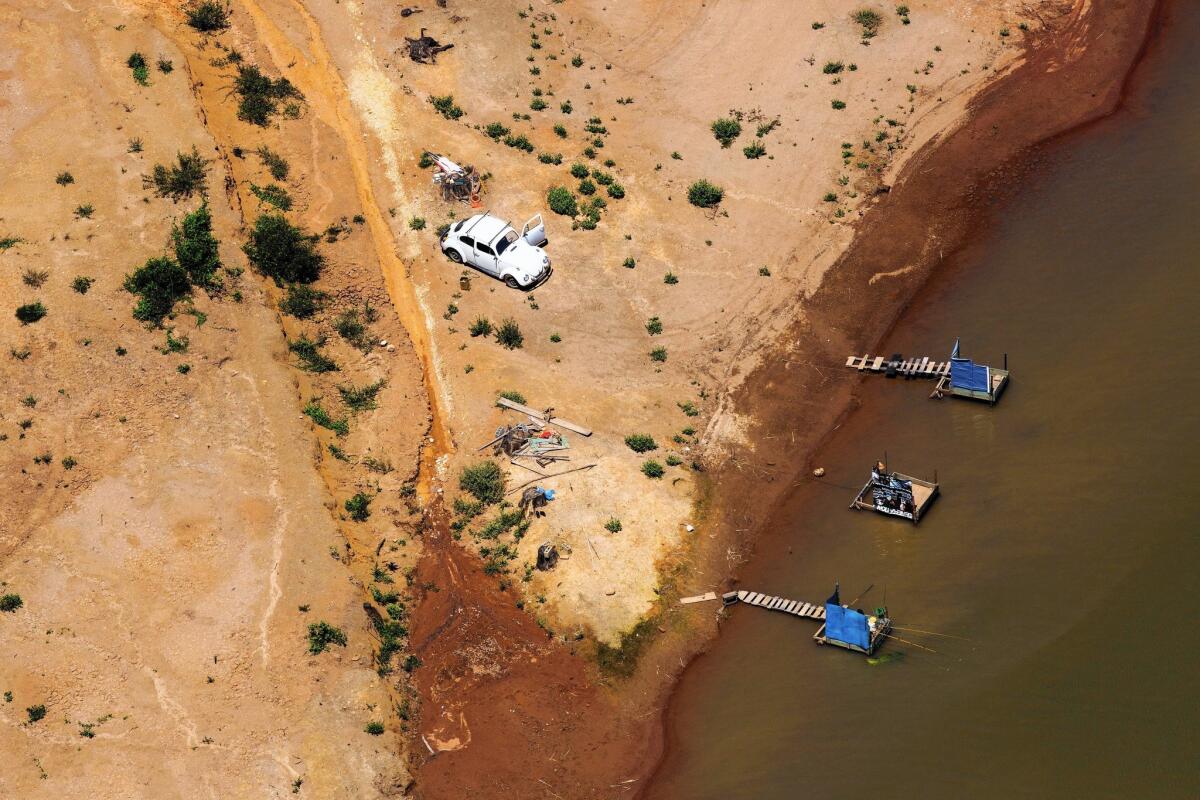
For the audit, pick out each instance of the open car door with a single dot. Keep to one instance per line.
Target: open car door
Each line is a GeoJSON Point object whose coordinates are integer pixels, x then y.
{"type": "Point", "coordinates": [534, 231]}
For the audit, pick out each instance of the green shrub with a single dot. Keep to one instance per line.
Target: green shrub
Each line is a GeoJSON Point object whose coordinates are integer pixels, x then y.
{"type": "Point", "coordinates": [577, 61]}
{"type": "Point", "coordinates": [652, 469]}
{"type": "Point", "coordinates": [704, 194]}
{"type": "Point", "coordinates": [495, 130]}
{"type": "Point", "coordinates": [550, 158]}
{"type": "Point", "coordinates": [579, 170]}
{"type": "Point", "coordinates": [869, 21]}
{"type": "Point", "coordinates": [187, 176]}
{"type": "Point", "coordinates": [141, 72]}
{"type": "Point", "coordinates": [321, 635]}
{"type": "Point", "coordinates": [11, 602]}
{"type": "Point", "coordinates": [537, 104]}
{"type": "Point", "coordinates": [613, 525]}
{"type": "Point", "coordinates": [832, 67]}
{"type": "Point", "coordinates": [754, 150]}
{"type": "Point", "coordinates": [654, 326]}
{"type": "Point", "coordinates": [260, 94]}
{"type": "Point", "coordinates": [658, 354]}
{"type": "Point", "coordinates": [374, 728]}
{"type": "Point", "coordinates": [560, 131]}
{"type": "Point", "coordinates": [64, 178]}
{"type": "Point", "coordinates": [165, 66]}
{"type": "Point", "coordinates": [362, 398]}
{"type": "Point", "coordinates": [726, 130]}
{"type": "Point", "coordinates": [837, 105]}
{"type": "Point", "coordinates": [830, 197]}
{"type": "Point", "coordinates": [586, 187]}
{"type": "Point", "coordinates": [416, 223]}
{"type": "Point", "coordinates": [561, 201]}
{"type": "Point", "coordinates": [515, 397]}
{"type": "Point", "coordinates": [281, 250]}
{"type": "Point", "coordinates": [519, 142]}
{"type": "Point", "coordinates": [566, 107]}
{"type": "Point", "coordinates": [30, 312]}
{"type": "Point", "coordinates": [302, 301]}
{"type": "Point", "coordinates": [640, 442]}
{"type": "Point", "coordinates": [629, 263]}
{"type": "Point", "coordinates": [670, 279]}
{"type": "Point", "coordinates": [196, 249]}
{"type": "Point", "coordinates": [508, 334]}
{"type": "Point", "coordinates": [359, 507]}
{"type": "Point", "coordinates": [273, 194]}
{"type": "Point", "coordinates": [276, 164]}
{"type": "Point", "coordinates": [615, 190]}
{"type": "Point", "coordinates": [84, 211]}
{"type": "Point", "coordinates": [351, 328]}
{"type": "Point", "coordinates": [482, 326]}
{"type": "Point", "coordinates": [36, 713]}
{"type": "Point", "coordinates": [320, 416]}
{"type": "Point", "coordinates": [310, 355]}
{"type": "Point", "coordinates": [207, 16]}
{"type": "Point", "coordinates": [159, 284]}
{"type": "Point", "coordinates": [674, 460]}
{"type": "Point", "coordinates": [484, 481]}
{"type": "Point", "coordinates": [446, 107]}
{"type": "Point", "coordinates": [82, 283]}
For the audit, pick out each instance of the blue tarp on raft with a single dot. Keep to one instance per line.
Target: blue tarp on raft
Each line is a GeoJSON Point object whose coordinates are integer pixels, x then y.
{"type": "Point", "coordinates": [844, 624]}
{"type": "Point", "coordinates": [966, 374]}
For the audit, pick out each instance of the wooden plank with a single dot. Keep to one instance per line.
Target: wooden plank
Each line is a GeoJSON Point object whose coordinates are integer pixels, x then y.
{"type": "Point", "coordinates": [741, 595]}
{"type": "Point", "coordinates": [805, 610]}
{"type": "Point", "coordinates": [863, 364]}
{"type": "Point", "coordinates": [878, 363]}
{"type": "Point", "coordinates": [924, 364]}
{"type": "Point", "coordinates": [850, 361]}
{"type": "Point", "coordinates": [791, 606]}
{"type": "Point", "coordinates": [533, 412]}
{"type": "Point", "coordinates": [699, 598]}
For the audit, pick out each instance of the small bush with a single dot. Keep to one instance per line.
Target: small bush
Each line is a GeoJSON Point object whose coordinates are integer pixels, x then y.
{"type": "Point", "coordinates": [726, 130]}
{"type": "Point", "coordinates": [833, 67]}
{"type": "Point", "coordinates": [196, 249]}
{"type": "Point", "coordinates": [484, 481]}
{"type": "Point", "coordinates": [302, 301]}
{"type": "Point", "coordinates": [273, 194]}
{"type": "Point", "coordinates": [310, 355]}
{"type": "Point", "coordinates": [652, 469]}
{"type": "Point", "coordinates": [615, 190]}
{"type": "Point", "coordinates": [508, 334]}
{"type": "Point", "coordinates": [11, 602]}
{"type": "Point", "coordinates": [374, 728]}
{"type": "Point", "coordinates": [165, 66]}
{"type": "Point", "coordinates": [670, 279]}
{"type": "Point", "coordinates": [321, 635]}
{"type": "Point", "coordinates": [658, 354]}
{"type": "Point", "coordinates": [629, 263]}
{"type": "Point", "coordinates": [495, 130]}
{"type": "Point", "coordinates": [579, 170]}
{"type": "Point", "coordinates": [515, 397]}
{"type": "Point", "coordinates": [446, 107]}
{"type": "Point", "coordinates": [320, 416]}
{"type": "Point", "coordinates": [519, 142]}
{"type": "Point", "coordinates": [84, 211]}
{"type": "Point", "coordinates": [30, 313]}
{"type": "Point", "coordinates": [764, 271]}
{"type": "Point", "coordinates": [359, 507]}
{"type": "Point", "coordinates": [869, 21]}
{"type": "Point", "coordinates": [566, 107]}
{"type": "Point", "coordinates": [207, 16]}
{"type": "Point", "coordinates": [613, 525]}
{"type": "Point", "coordinates": [537, 104]}
{"type": "Point", "coordinates": [561, 201]}
{"type": "Point", "coordinates": [141, 72]}
{"type": "Point", "coordinates": [577, 61]}
{"type": "Point", "coordinates": [704, 194]}
{"type": "Point", "coordinates": [351, 328]}
{"type": "Point", "coordinates": [159, 284]}
{"type": "Point", "coordinates": [276, 164]}
{"type": "Point", "coordinates": [82, 283]}
{"type": "Point", "coordinates": [688, 408]}
{"type": "Point", "coordinates": [754, 150]}
{"type": "Point", "coordinates": [640, 442]}
{"type": "Point", "coordinates": [550, 158]}
{"type": "Point", "coordinates": [837, 105]}
{"type": "Point", "coordinates": [187, 176]}
{"type": "Point", "coordinates": [416, 223]}
{"type": "Point", "coordinates": [586, 187]}
{"type": "Point", "coordinates": [830, 197]}
{"type": "Point", "coordinates": [482, 326]}
{"type": "Point", "coordinates": [36, 713]}
{"type": "Point", "coordinates": [35, 277]}
{"type": "Point", "coordinates": [260, 94]}
{"type": "Point", "coordinates": [64, 178]}
{"type": "Point", "coordinates": [560, 131]}
{"type": "Point", "coordinates": [361, 398]}
{"type": "Point", "coordinates": [281, 250]}
{"type": "Point", "coordinates": [654, 326]}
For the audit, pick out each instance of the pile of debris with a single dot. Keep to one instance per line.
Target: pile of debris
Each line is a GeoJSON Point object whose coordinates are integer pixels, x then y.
{"type": "Point", "coordinates": [532, 441]}
{"type": "Point", "coordinates": [457, 183]}
{"type": "Point", "coordinates": [424, 49]}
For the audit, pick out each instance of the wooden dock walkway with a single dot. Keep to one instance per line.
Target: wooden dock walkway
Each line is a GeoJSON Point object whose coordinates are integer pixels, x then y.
{"type": "Point", "coordinates": [907, 368]}
{"type": "Point", "coordinates": [797, 608]}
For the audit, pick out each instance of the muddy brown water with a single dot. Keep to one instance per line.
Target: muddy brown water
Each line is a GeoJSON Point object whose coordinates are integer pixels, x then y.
{"type": "Point", "coordinates": [1060, 563]}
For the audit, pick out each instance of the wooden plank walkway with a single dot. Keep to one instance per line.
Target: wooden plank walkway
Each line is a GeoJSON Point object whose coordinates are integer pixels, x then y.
{"type": "Point", "coordinates": [797, 608]}
{"type": "Point", "coordinates": [908, 368]}
{"type": "Point", "coordinates": [533, 412]}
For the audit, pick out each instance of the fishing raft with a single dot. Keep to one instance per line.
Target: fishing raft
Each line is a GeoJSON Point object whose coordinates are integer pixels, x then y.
{"type": "Point", "coordinates": [841, 626]}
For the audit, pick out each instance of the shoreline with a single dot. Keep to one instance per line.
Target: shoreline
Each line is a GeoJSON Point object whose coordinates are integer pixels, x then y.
{"type": "Point", "coordinates": [989, 186]}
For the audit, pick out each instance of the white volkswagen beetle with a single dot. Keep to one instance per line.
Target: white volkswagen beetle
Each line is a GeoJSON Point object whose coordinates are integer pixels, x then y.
{"type": "Point", "coordinates": [492, 246]}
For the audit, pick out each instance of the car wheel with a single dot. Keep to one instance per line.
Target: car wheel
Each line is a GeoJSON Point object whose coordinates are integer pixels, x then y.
{"type": "Point", "coordinates": [512, 282]}
{"type": "Point", "coordinates": [453, 255]}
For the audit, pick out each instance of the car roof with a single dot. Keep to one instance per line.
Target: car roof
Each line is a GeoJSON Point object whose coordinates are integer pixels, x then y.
{"type": "Point", "coordinates": [485, 227]}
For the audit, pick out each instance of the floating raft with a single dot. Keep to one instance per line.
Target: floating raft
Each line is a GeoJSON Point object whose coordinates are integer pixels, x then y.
{"type": "Point", "coordinates": [999, 380]}
{"type": "Point", "coordinates": [923, 494]}
{"type": "Point", "coordinates": [797, 608]}
{"type": "Point", "coordinates": [906, 368]}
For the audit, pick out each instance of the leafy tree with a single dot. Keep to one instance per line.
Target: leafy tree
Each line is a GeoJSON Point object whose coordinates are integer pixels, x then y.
{"type": "Point", "coordinates": [281, 250]}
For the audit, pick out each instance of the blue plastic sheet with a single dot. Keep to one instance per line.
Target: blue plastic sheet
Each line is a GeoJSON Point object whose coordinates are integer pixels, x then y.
{"type": "Point", "coordinates": [966, 374]}
{"type": "Point", "coordinates": [845, 624]}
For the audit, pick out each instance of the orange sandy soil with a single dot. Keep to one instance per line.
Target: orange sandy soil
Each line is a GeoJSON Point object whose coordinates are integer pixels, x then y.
{"type": "Point", "coordinates": [204, 509]}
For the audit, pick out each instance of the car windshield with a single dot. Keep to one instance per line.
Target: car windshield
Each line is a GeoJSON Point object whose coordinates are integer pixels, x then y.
{"type": "Point", "coordinates": [505, 241]}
